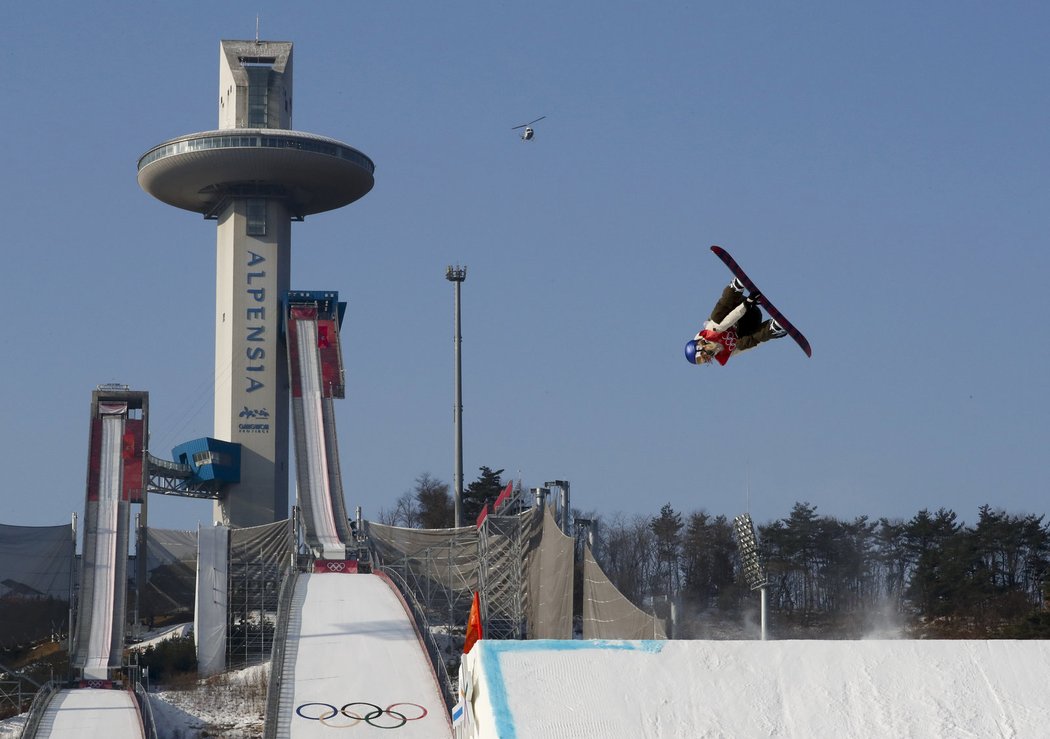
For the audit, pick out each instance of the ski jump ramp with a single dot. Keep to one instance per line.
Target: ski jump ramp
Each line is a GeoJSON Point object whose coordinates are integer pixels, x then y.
{"type": "Point", "coordinates": [100, 621]}
{"type": "Point", "coordinates": [91, 714]}
{"type": "Point", "coordinates": [544, 689]}
{"type": "Point", "coordinates": [316, 377]}
{"type": "Point", "coordinates": [353, 659]}
{"type": "Point", "coordinates": [115, 478]}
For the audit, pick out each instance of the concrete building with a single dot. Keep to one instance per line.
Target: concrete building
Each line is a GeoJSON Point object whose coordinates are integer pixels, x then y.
{"type": "Point", "coordinates": [254, 176]}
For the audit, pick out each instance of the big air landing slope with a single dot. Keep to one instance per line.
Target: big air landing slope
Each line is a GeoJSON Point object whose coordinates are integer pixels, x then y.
{"type": "Point", "coordinates": [605, 689]}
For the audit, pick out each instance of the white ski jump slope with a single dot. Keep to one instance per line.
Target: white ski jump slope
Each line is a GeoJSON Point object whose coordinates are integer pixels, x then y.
{"type": "Point", "coordinates": [357, 644]}
{"type": "Point", "coordinates": [103, 574]}
{"type": "Point", "coordinates": [91, 714]}
{"type": "Point", "coordinates": [320, 489]}
{"type": "Point", "coordinates": [885, 688]}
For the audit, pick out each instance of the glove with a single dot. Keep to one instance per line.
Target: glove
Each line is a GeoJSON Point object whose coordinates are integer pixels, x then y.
{"type": "Point", "coordinates": [753, 299]}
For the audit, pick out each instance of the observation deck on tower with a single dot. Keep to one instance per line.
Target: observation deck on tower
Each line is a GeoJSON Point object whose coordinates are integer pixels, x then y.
{"type": "Point", "coordinates": [255, 153]}
{"type": "Point", "coordinates": [200, 172]}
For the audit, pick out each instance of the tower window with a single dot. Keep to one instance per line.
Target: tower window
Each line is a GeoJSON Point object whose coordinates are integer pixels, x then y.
{"type": "Point", "coordinates": [258, 94]}
{"type": "Point", "coordinates": [256, 217]}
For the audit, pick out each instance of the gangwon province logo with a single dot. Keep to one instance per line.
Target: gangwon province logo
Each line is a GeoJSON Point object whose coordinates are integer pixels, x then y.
{"type": "Point", "coordinates": [256, 415]}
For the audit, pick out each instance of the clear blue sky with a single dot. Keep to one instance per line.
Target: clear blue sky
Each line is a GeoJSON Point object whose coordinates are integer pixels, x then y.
{"type": "Point", "coordinates": [882, 171]}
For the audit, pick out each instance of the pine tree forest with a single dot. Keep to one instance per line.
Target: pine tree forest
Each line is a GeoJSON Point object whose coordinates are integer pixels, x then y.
{"type": "Point", "coordinates": [932, 576]}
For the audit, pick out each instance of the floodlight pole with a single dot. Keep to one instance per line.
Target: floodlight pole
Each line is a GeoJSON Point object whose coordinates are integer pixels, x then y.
{"type": "Point", "coordinates": [763, 617]}
{"type": "Point", "coordinates": [752, 565]}
{"type": "Point", "coordinates": [456, 276]}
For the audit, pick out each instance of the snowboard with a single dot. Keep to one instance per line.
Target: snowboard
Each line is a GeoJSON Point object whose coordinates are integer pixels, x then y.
{"type": "Point", "coordinates": [771, 309]}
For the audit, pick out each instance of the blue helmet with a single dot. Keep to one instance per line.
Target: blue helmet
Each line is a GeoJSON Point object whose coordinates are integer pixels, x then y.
{"type": "Point", "coordinates": [690, 351]}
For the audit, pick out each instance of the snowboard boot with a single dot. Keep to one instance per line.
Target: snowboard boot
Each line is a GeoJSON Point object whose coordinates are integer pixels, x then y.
{"type": "Point", "coordinates": [777, 329]}
{"type": "Point", "coordinates": [737, 285]}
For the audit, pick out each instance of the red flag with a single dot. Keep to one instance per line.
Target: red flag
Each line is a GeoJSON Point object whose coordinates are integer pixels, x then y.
{"type": "Point", "coordinates": [473, 625]}
{"type": "Point", "coordinates": [503, 496]}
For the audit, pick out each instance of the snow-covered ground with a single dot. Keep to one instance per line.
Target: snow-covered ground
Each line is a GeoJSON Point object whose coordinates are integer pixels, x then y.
{"type": "Point", "coordinates": [155, 637]}
{"type": "Point", "coordinates": [544, 689]}
{"type": "Point", "coordinates": [869, 689]}
{"type": "Point", "coordinates": [231, 705]}
{"type": "Point", "coordinates": [12, 728]}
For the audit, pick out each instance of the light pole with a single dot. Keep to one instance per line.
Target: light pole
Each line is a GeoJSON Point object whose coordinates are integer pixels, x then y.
{"type": "Point", "coordinates": [457, 275]}
{"type": "Point", "coordinates": [754, 572]}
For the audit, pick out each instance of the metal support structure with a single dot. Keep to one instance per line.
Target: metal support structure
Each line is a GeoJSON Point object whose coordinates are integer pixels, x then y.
{"type": "Point", "coordinates": [763, 590]}
{"type": "Point", "coordinates": [502, 578]}
{"type": "Point", "coordinates": [443, 577]}
{"type": "Point", "coordinates": [73, 580]}
{"type": "Point", "coordinates": [583, 534]}
{"type": "Point", "coordinates": [563, 502]}
{"type": "Point", "coordinates": [172, 478]}
{"type": "Point", "coordinates": [457, 275]}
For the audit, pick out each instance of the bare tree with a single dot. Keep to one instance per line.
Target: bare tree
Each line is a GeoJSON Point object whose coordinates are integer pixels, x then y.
{"type": "Point", "coordinates": [405, 513]}
{"type": "Point", "coordinates": [434, 504]}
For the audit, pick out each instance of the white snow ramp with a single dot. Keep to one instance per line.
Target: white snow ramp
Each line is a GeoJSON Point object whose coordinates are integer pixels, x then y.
{"type": "Point", "coordinates": [91, 714]}
{"type": "Point", "coordinates": [870, 689]}
{"type": "Point", "coordinates": [355, 660]}
{"type": "Point", "coordinates": [99, 650]}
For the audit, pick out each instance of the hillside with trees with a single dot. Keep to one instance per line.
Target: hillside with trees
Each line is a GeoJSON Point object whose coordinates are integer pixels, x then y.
{"type": "Point", "coordinates": [931, 576]}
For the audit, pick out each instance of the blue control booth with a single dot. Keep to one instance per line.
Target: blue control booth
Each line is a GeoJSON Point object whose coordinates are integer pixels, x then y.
{"type": "Point", "coordinates": [210, 459]}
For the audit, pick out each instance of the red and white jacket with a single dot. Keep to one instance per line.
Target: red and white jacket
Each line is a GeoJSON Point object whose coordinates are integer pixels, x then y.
{"type": "Point", "coordinates": [723, 333]}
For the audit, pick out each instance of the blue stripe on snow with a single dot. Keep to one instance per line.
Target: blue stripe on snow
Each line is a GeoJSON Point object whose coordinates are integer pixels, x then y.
{"type": "Point", "coordinates": [570, 645]}
{"type": "Point", "coordinates": [490, 659]}
{"type": "Point", "coordinates": [497, 690]}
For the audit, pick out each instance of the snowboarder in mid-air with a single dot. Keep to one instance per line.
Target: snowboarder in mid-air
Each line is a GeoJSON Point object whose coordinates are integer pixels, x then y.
{"type": "Point", "coordinates": [735, 325]}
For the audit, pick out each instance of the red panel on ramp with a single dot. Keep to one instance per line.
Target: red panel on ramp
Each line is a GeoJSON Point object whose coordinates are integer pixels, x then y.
{"type": "Point", "coordinates": [345, 566]}
{"type": "Point", "coordinates": [94, 461]}
{"type": "Point", "coordinates": [331, 359]}
{"type": "Point", "coordinates": [131, 452]}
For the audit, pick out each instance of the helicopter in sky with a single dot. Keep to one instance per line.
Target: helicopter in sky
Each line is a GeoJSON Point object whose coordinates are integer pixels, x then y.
{"type": "Point", "coordinates": [528, 133]}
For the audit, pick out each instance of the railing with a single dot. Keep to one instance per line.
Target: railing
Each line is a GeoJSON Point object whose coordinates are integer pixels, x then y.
{"type": "Point", "coordinates": [256, 139]}
{"type": "Point", "coordinates": [280, 639]}
{"type": "Point", "coordinates": [37, 709]}
{"type": "Point", "coordinates": [423, 627]}
{"type": "Point", "coordinates": [174, 478]}
{"type": "Point", "coordinates": [146, 711]}
{"type": "Point", "coordinates": [176, 469]}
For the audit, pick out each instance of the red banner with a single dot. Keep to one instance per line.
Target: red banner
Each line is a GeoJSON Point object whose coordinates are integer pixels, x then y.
{"type": "Point", "coordinates": [345, 566]}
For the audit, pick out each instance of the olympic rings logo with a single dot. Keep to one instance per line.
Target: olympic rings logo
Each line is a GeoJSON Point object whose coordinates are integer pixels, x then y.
{"type": "Point", "coordinates": [336, 566]}
{"type": "Point", "coordinates": [380, 718]}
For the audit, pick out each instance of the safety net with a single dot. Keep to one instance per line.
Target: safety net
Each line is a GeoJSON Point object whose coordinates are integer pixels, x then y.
{"type": "Point", "coordinates": [36, 564]}
{"type": "Point", "coordinates": [171, 574]}
{"type": "Point", "coordinates": [548, 577]}
{"type": "Point", "coordinates": [607, 614]}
